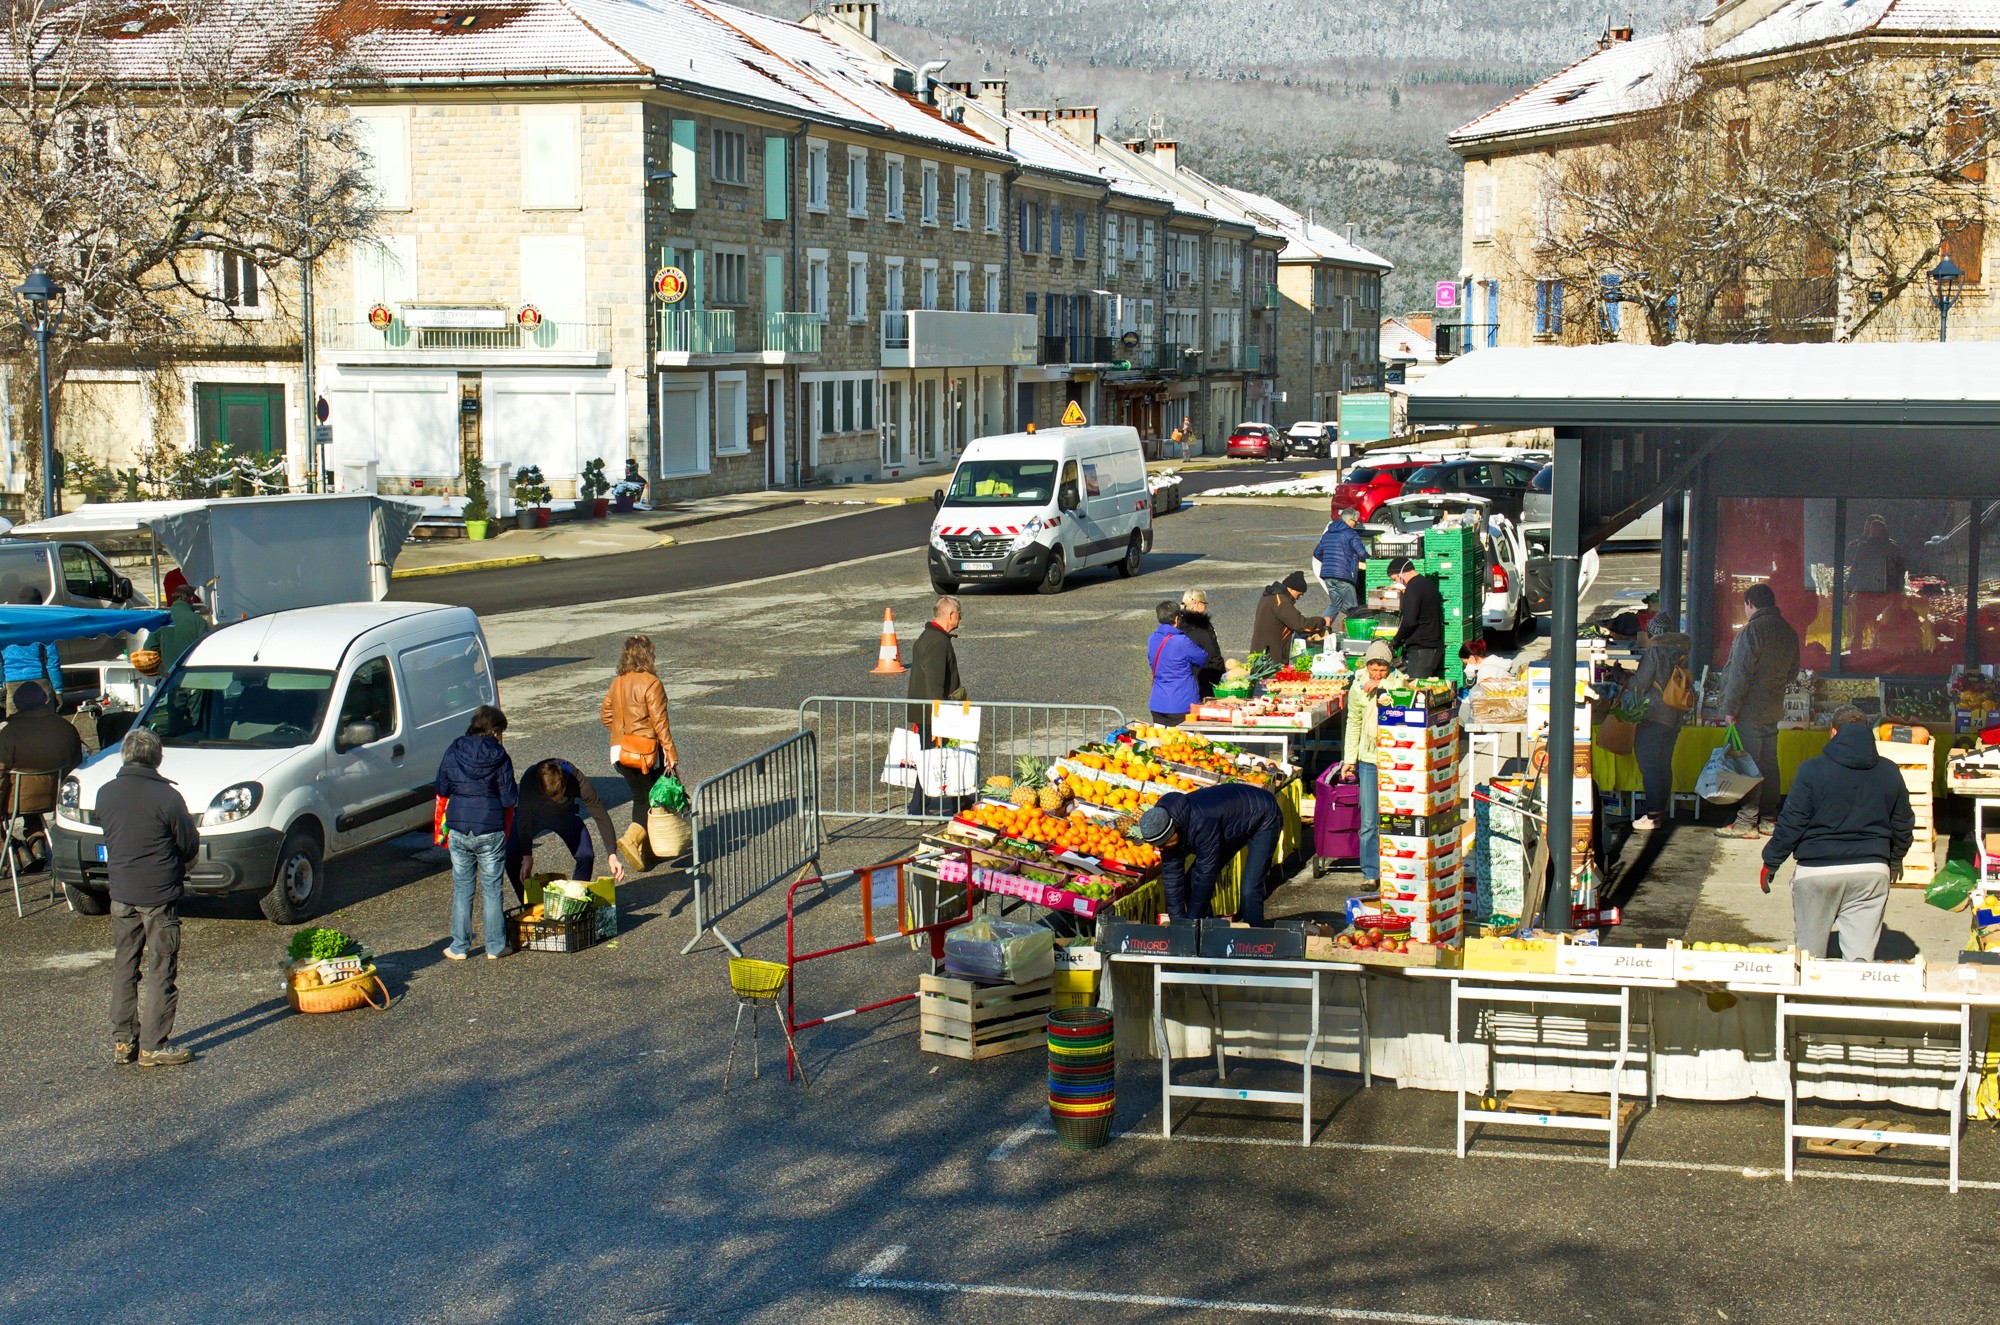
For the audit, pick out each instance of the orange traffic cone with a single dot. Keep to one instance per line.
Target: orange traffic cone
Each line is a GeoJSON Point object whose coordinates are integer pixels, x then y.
{"type": "Point", "coordinates": [887, 663]}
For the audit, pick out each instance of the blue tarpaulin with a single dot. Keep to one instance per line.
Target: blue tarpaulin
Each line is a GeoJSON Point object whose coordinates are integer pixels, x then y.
{"type": "Point", "coordinates": [24, 624]}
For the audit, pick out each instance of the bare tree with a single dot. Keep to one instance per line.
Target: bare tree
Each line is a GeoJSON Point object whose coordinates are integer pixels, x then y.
{"type": "Point", "coordinates": [160, 156]}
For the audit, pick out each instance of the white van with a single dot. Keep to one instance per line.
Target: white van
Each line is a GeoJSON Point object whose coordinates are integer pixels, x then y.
{"type": "Point", "coordinates": [294, 738]}
{"type": "Point", "coordinates": [1032, 507]}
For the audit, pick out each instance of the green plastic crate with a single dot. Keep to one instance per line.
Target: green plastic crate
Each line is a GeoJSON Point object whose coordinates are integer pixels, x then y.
{"type": "Point", "coordinates": [1360, 627]}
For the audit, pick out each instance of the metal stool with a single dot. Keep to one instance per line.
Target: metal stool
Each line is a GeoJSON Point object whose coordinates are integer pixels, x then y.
{"type": "Point", "coordinates": [30, 792]}
{"type": "Point", "coordinates": [757, 985]}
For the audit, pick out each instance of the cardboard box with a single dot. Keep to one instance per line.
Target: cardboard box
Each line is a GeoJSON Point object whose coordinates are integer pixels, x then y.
{"type": "Point", "coordinates": [1483, 954]}
{"type": "Point", "coordinates": [1427, 805]}
{"type": "Point", "coordinates": [1445, 932]}
{"type": "Point", "coordinates": [1417, 781]}
{"type": "Point", "coordinates": [1078, 955]}
{"type": "Point", "coordinates": [1421, 876]}
{"type": "Point", "coordinates": [1442, 907]}
{"type": "Point", "coordinates": [1417, 825]}
{"type": "Point", "coordinates": [1325, 949]}
{"type": "Point", "coordinates": [1760, 968]}
{"type": "Point", "coordinates": [1407, 756]}
{"type": "Point", "coordinates": [1596, 960]}
{"type": "Point", "coordinates": [1391, 715]}
{"type": "Point", "coordinates": [1446, 843]}
{"type": "Point", "coordinates": [1286, 941]}
{"type": "Point", "coordinates": [1827, 976]}
{"type": "Point", "coordinates": [1176, 938]}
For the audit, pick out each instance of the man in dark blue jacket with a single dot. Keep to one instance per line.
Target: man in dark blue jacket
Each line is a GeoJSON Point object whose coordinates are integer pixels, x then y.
{"type": "Point", "coordinates": [1339, 555]}
{"type": "Point", "coordinates": [1213, 824]}
{"type": "Point", "coordinates": [149, 838]}
{"type": "Point", "coordinates": [1848, 821]}
{"type": "Point", "coordinates": [476, 782]}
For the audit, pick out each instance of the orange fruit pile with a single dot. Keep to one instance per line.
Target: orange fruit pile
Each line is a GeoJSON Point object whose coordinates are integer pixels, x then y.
{"type": "Point", "coordinates": [1076, 833]}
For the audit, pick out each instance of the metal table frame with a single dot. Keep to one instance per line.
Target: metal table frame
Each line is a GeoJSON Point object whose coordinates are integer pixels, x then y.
{"type": "Point", "coordinates": [1794, 1007]}
{"type": "Point", "coordinates": [1569, 991]}
{"type": "Point", "coordinates": [1224, 972]}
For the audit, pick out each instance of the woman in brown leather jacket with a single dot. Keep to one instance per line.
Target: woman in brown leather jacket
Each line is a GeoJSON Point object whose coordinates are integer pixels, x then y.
{"type": "Point", "coordinates": [635, 713]}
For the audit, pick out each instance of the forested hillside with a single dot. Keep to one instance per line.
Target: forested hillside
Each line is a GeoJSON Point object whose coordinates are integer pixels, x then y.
{"type": "Point", "coordinates": [1339, 108]}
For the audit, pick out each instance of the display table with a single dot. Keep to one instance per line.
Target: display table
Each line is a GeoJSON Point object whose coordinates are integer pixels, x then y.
{"type": "Point", "coordinates": [1279, 742]}
{"type": "Point", "coordinates": [1210, 976]}
{"type": "Point", "coordinates": [1614, 772]}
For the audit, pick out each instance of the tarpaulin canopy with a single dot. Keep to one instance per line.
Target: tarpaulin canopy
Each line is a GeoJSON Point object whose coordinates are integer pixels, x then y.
{"type": "Point", "coordinates": [23, 624]}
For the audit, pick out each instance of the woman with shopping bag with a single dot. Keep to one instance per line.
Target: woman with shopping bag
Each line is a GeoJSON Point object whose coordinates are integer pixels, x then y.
{"type": "Point", "coordinates": [642, 745]}
{"type": "Point", "coordinates": [1667, 692]}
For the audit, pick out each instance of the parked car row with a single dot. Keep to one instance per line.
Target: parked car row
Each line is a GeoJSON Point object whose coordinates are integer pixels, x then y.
{"type": "Point", "coordinates": [1503, 477]}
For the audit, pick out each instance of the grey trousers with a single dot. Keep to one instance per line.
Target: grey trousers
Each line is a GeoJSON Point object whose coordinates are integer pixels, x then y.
{"type": "Point", "coordinates": [1760, 742]}
{"type": "Point", "coordinates": [144, 1017]}
{"type": "Point", "coordinates": [1848, 898]}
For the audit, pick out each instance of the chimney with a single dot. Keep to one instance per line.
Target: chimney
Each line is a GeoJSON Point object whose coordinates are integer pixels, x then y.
{"type": "Point", "coordinates": [1620, 34]}
{"type": "Point", "coordinates": [993, 91]}
{"type": "Point", "coordinates": [1419, 323]}
{"type": "Point", "coordinates": [1165, 152]}
{"type": "Point", "coordinates": [857, 14]}
{"type": "Point", "coordinates": [1078, 124]}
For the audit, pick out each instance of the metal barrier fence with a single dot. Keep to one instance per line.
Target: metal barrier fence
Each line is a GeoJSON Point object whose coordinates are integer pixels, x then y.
{"type": "Point", "coordinates": [854, 737]}
{"type": "Point", "coordinates": [755, 825]}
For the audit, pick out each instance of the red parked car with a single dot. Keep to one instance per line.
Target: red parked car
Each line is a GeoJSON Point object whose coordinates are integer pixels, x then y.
{"type": "Point", "coordinates": [1370, 484]}
{"type": "Point", "coordinates": [1256, 441]}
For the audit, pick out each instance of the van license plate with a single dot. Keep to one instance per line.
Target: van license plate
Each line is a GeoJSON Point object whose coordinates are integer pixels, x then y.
{"type": "Point", "coordinates": [100, 853]}
{"type": "Point", "coordinates": [975, 565]}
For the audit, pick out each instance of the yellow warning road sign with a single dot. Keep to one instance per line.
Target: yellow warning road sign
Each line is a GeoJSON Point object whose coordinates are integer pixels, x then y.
{"type": "Point", "coordinates": [1073, 416]}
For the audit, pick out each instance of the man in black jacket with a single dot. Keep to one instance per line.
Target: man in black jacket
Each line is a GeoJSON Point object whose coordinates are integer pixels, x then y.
{"type": "Point", "coordinates": [1213, 824]}
{"type": "Point", "coordinates": [37, 740]}
{"type": "Point", "coordinates": [1848, 821]}
{"type": "Point", "coordinates": [1420, 633]}
{"type": "Point", "coordinates": [934, 678]}
{"type": "Point", "coordinates": [149, 838]}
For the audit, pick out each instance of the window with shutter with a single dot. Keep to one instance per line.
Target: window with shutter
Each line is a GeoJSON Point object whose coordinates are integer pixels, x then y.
{"type": "Point", "coordinates": [1055, 229]}
{"type": "Point", "coordinates": [1967, 131]}
{"type": "Point", "coordinates": [777, 178]}
{"type": "Point", "coordinates": [1965, 244]}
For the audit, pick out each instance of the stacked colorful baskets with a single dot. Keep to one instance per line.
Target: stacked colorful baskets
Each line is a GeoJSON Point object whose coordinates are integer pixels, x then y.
{"type": "Point", "coordinates": [1083, 1072]}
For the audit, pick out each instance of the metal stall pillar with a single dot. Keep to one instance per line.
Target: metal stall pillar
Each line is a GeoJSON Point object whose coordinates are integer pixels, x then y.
{"type": "Point", "coordinates": [1564, 550]}
{"type": "Point", "coordinates": [1673, 553]}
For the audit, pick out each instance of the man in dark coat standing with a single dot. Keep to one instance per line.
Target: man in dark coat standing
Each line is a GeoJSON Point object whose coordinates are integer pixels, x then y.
{"type": "Point", "coordinates": [1763, 661]}
{"type": "Point", "coordinates": [1279, 621]}
{"type": "Point", "coordinates": [934, 678]}
{"type": "Point", "coordinates": [1213, 824]}
{"type": "Point", "coordinates": [149, 838]}
{"type": "Point", "coordinates": [1420, 632]}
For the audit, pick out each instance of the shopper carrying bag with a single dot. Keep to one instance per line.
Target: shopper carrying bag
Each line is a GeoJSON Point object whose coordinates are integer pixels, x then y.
{"type": "Point", "coordinates": [1730, 775]}
{"type": "Point", "coordinates": [634, 712]}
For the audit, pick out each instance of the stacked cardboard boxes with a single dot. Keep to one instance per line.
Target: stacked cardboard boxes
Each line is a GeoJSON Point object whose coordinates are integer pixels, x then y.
{"type": "Point", "coordinates": [1416, 767]}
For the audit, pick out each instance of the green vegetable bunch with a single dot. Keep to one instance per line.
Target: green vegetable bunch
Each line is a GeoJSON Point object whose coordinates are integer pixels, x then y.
{"type": "Point", "coordinates": [317, 943]}
{"type": "Point", "coordinates": [669, 793]}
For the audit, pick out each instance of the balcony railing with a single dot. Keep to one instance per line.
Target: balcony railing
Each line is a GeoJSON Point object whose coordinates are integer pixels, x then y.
{"type": "Point", "coordinates": [942, 338]}
{"type": "Point", "coordinates": [1270, 295]}
{"type": "Point", "coordinates": [1078, 349]}
{"type": "Point", "coordinates": [1223, 358]}
{"type": "Point", "coordinates": [1456, 338]}
{"type": "Point", "coordinates": [793, 333]}
{"type": "Point", "coordinates": [588, 333]}
{"type": "Point", "coordinates": [697, 331]}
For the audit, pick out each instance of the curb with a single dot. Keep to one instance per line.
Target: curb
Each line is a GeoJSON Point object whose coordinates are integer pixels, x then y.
{"type": "Point", "coordinates": [457, 567]}
{"type": "Point", "coordinates": [902, 501]}
{"type": "Point", "coordinates": [662, 526]}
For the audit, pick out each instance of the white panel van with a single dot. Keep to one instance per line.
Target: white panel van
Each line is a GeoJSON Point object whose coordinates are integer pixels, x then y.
{"type": "Point", "coordinates": [294, 738]}
{"type": "Point", "coordinates": [1033, 507]}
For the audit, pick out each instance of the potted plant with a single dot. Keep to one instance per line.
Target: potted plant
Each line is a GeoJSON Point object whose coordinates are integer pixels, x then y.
{"type": "Point", "coordinates": [593, 487]}
{"type": "Point", "coordinates": [529, 494]}
{"type": "Point", "coordinates": [477, 512]}
{"type": "Point", "coordinates": [326, 971]}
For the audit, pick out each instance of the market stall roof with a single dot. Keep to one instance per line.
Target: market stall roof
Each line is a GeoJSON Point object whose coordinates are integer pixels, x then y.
{"type": "Point", "coordinates": [1851, 385]}
{"type": "Point", "coordinates": [48, 625]}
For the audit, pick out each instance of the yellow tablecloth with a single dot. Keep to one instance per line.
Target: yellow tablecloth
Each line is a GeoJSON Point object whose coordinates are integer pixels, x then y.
{"type": "Point", "coordinates": [1149, 899]}
{"type": "Point", "coordinates": [1691, 751]}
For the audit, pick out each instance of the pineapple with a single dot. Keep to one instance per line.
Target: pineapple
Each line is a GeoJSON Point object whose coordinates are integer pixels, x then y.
{"type": "Point", "coordinates": [1053, 798]}
{"type": "Point", "coordinates": [1030, 786]}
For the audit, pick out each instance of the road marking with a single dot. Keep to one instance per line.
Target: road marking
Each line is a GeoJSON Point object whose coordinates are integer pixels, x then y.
{"type": "Point", "coordinates": [871, 1279]}
{"type": "Point", "coordinates": [1029, 1131]}
{"type": "Point", "coordinates": [461, 567]}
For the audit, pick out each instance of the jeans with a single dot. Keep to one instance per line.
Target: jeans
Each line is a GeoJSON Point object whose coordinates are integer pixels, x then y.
{"type": "Point", "coordinates": [1168, 719]}
{"type": "Point", "coordinates": [1654, 749]}
{"type": "Point", "coordinates": [484, 856]}
{"type": "Point", "coordinates": [1342, 599]}
{"type": "Point", "coordinates": [1257, 855]}
{"type": "Point", "coordinates": [572, 833]}
{"type": "Point", "coordinates": [1760, 741]}
{"type": "Point", "coordinates": [144, 1017]}
{"type": "Point", "coordinates": [1371, 822]}
{"type": "Point", "coordinates": [1847, 898]}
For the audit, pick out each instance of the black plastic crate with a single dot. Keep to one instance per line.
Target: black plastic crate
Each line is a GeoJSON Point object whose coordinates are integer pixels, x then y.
{"type": "Point", "coordinates": [571, 935]}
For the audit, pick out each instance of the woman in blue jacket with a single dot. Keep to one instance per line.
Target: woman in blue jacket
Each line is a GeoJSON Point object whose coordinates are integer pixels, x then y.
{"type": "Point", "coordinates": [476, 783]}
{"type": "Point", "coordinates": [22, 663]}
{"type": "Point", "coordinates": [1176, 661]}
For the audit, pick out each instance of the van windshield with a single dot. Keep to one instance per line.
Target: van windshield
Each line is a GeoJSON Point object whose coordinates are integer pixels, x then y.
{"type": "Point", "coordinates": [1003, 483]}
{"type": "Point", "coordinates": [240, 707]}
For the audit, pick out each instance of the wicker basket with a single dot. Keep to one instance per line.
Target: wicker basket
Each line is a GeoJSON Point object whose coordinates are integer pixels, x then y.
{"type": "Point", "coordinates": [669, 833]}
{"type": "Point", "coordinates": [340, 996]}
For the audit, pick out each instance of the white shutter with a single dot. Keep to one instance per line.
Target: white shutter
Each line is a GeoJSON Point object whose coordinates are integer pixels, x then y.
{"type": "Point", "coordinates": [549, 156]}
{"type": "Point", "coordinates": [384, 139]}
{"type": "Point", "coordinates": [385, 272]}
{"type": "Point", "coordinates": [552, 269]}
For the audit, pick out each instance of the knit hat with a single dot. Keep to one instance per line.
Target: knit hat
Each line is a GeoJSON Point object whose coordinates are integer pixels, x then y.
{"type": "Point", "coordinates": [1401, 564]}
{"type": "Point", "coordinates": [1663, 624]}
{"type": "Point", "coordinates": [1156, 826]}
{"type": "Point", "coordinates": [30, 696]}
{"type": "Point", "coordinates": [1296, 581]}
{"type": "Point", "coordinates": [1379, 652]}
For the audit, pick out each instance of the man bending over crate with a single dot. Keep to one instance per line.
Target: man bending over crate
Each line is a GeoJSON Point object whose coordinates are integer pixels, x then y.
{"type": "Point", "coordinates": [1214, 824]}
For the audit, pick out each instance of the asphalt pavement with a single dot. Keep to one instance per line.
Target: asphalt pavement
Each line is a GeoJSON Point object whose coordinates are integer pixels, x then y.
{"type": "Point", "coordinates": [547, 1137]}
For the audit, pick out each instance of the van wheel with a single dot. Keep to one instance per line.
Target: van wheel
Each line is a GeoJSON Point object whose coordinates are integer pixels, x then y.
{"type": "Point", "coordinates": [299, 880]}
{"type": "Point", "coordinates": [1052, 578]}
{"type": "Point", "coordinates": [87, 901]}
{"type": "Point", "coordinates": [1133, 552]}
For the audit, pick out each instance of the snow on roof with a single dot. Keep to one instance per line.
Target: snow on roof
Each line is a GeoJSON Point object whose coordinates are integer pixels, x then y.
{"type": "Point", "coordinates": [1400, 340]}
{"type": "Point", "coordinates": [1853, 383]}
{"type": "Point", "coordinates": [1045, 147]}
{"type": "Point", "coordinates": [1809, 22]}
{"type": "Point", "coordinates": [1306, 240]}
{"type": "Point", "coordinates": [513, 38]}
{"type": "Point", "coordinates": [1617, 80]}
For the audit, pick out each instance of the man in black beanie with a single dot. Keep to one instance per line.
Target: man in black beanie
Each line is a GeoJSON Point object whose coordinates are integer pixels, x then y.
{"type": "Point", "coordinates": [1420, 631]}
{"type": "Point", "coordinates": [1279, 621]}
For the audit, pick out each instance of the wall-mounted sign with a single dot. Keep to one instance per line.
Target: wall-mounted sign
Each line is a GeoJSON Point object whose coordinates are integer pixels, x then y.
{"type": "Point", "coordinates": [529, 316]}
{"type": "Point", "coordinates": [454, 317]}
{"type": "Point", "coordinates": [670, 284]}
{"type": "Point", "coordinates": [1447, 294]}
{"type": "Point", "coordinates": [380, 316]}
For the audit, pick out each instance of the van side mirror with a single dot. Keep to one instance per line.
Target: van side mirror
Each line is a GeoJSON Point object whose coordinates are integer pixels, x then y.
{"type": "Point", "coordinates": [1069, 500]}
{"type": "Point", "coordinates": [937, 497]}
{"type": "Point", "coordinates": [355, 735]}
{"type": "Point", "coordinates": [121, 590]}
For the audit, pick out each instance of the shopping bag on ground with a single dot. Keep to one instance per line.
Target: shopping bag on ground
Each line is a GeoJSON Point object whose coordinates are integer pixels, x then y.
{"type": "Point", "coordinates": [900, 768]}
{"type": "Point", "coordinates": [1730, 774]}
{"type": "Point", "coordinates": [948, 771]}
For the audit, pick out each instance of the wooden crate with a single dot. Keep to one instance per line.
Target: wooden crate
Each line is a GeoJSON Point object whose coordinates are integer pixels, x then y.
{"type": "Point", "coordinates": [964, 1020]}
{"type": "Point", "coordinates": [1560, 1102]}
{"type": "Point", "coordinates": [1852, 1146]}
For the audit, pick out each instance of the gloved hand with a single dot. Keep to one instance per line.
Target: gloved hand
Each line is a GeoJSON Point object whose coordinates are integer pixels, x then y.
{"type": "Point", "coordinates": [1764, 878]}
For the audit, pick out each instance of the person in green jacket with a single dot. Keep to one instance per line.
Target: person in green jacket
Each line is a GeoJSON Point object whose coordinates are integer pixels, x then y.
{"type": "Point", "coordinates": [180, 634]}
{"type": "Point", "coordinates": [1357, 755]}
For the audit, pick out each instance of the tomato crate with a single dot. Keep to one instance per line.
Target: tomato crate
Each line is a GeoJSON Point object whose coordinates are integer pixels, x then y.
{"type": "Point", "coordinates": [535, 935]}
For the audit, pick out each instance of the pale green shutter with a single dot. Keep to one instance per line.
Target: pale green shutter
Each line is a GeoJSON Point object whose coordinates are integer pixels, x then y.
{"type": "Point", "coordinates": [774, 282]}
{"type": "Point", "coordinates": [777, 179]}
{"type": "Point", "coordinates": [682, 163]}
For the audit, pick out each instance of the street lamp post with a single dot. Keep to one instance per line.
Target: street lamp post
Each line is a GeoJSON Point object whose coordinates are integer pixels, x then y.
{"type": "Point", "coordinates": [39, 302]}
{"type": "Point", "coordinates": [1945, 281]}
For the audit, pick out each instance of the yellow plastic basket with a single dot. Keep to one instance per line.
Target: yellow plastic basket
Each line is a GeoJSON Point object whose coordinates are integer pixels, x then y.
{"type": "Point", "coordinates": [751, 978]}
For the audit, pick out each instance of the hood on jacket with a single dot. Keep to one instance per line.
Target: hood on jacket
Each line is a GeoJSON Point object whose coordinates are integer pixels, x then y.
{"type": "Point", "coordinates": [1853, 746]}
{"type": "Point", "coordinates": [477, 756]}
{"type": "Point", "coordinates": [1274, 587]}
{"type": "Point", "coordinates": [1196, 620]}
{"type": "Point", "coordinates": [1673, 641]}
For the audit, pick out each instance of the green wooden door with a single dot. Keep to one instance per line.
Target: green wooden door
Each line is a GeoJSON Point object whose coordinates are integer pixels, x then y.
{"type": "Point", "coordinates": [248, 419]}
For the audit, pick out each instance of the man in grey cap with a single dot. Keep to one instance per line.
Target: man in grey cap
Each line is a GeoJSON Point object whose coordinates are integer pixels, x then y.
{"type": "Point", "coordinates": [1213, 824]}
